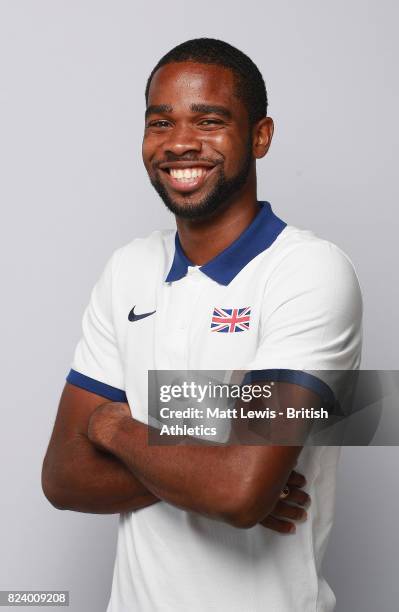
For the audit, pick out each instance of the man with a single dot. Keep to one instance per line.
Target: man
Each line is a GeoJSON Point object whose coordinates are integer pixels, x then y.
{"type": "Point", "coordinates": [201, 526]}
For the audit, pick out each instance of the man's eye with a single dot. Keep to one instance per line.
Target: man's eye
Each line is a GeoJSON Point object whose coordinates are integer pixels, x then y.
{"type": "Point", "coordinates": [160, 123]}
{"type": "Point", "coordinates": [210, 122]}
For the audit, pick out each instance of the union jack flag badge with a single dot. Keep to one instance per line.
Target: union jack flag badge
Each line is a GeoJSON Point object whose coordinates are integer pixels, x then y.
{"type": "Point", "coordinates": [230, 320]}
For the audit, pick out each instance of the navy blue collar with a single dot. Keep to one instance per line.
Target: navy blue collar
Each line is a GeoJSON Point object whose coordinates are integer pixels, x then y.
{"type": "Point", "coordinates": [258, 236]}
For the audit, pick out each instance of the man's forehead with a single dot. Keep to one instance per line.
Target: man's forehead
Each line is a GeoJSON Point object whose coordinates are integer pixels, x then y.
{"type": "Point", "coordinates": [195, 79]}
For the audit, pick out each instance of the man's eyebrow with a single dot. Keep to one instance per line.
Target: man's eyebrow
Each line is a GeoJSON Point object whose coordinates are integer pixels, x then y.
{"type": "Point", "coordinates": [211, 108]}
{"type": "Point", "coordinates": [195, 108]}
{"type": "Point", "coordinates": [158, 108]}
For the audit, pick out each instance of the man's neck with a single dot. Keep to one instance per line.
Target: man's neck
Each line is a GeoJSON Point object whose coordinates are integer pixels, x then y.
{"type": "Point", "coordinates": [204, 240]}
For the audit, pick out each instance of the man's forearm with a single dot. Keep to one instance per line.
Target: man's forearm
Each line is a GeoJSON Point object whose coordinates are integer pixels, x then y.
{"type": "Point", "coordinates": [170, 472]}
{"type": "Point", "coordinates": [86, 479]}
{"type": "Point", "coordinates": [214, 481]}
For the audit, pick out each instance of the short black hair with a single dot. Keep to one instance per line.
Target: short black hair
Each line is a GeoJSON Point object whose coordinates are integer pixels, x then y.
{"type": "Point", "coordinates": [250, 86]}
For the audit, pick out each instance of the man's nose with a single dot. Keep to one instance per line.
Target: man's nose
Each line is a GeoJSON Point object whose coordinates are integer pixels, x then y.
{"type": "Point", "coordinates": [181, 140]}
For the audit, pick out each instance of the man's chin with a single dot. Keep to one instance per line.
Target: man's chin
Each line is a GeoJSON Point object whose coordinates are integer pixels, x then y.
{"type": "Point", "coordinates": [191, 210]}
{"type": "Point", "coordinates": [188, 206]}
{"type": "Point", "coordinates": [205, 203]}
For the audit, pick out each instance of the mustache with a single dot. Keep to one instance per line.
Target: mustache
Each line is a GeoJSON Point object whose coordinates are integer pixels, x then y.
{"type": "Point", "coordinates": [187, 157]}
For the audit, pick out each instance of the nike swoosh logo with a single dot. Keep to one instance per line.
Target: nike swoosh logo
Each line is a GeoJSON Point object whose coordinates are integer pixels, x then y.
{"type": "Point", "coordinates": [137, 317]}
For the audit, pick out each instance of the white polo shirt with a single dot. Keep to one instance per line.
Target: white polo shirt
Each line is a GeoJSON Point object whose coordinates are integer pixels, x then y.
{"type": "Point", "coordinates": [278, 298]}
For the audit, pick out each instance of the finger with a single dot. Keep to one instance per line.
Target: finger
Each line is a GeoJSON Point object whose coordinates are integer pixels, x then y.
{"type": "Point", "coordinates": [284, 493]}
{"type": "Point", "coordinates": [285, 511]}
{"type": "Point", "coordinates": [275, 524]}
{"type": "Point", "coordinates": [297, 496]}
{"type": "Point", "coordinates": [296, 479]}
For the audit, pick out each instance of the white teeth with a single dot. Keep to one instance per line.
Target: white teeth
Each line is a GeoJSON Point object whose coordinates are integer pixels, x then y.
{"type": "Point", "coordinates": [187, 173]}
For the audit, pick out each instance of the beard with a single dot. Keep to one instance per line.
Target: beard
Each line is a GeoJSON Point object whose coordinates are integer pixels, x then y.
{"type": "Point", "coordinates": [215, 200]}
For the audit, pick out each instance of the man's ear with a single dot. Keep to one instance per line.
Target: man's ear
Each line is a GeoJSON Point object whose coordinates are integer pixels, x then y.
{"type": "Point", "coordinates": [262, 137]}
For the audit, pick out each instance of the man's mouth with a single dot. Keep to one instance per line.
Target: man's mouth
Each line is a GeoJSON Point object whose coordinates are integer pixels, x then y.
{"type": "Point", "coordinates": [184, 178]}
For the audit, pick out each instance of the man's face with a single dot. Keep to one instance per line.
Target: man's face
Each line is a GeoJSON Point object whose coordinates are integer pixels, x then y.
{"type": "Point", "coordinates": [197, 146]}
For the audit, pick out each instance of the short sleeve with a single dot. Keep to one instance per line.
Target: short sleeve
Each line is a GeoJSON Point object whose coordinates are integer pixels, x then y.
{"type": "Point", "coordinates": [96, 364]}
{"type": "Point", "coordinates": [311, 318]}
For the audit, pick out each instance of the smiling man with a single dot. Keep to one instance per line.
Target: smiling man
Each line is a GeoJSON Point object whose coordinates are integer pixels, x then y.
{"type": "Point", "coordinates": [235, 288]}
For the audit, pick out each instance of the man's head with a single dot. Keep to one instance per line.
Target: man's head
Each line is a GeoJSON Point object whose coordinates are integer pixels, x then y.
{"type": "Point", "coordinates": [206, 125]}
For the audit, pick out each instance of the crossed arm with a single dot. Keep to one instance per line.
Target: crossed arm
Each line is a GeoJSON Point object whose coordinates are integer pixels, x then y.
{"type": "Point", "coordinates": [99, 461]}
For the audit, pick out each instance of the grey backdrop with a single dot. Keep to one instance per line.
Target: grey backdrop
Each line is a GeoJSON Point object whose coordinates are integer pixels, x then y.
{"type": "Point", "coordinates": [73, 189]}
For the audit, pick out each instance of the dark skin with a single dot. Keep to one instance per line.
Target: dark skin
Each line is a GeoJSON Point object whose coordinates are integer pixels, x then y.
{"type": "Point", "coordinates": [212, 136]}
{"type": "Point", "coordinates": [195, 118]}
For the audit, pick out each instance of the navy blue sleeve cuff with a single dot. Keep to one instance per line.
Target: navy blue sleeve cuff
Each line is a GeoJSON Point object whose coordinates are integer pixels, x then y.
{"type": "Point", "coordinates": [95, 386]}
{"type": "Point", "coordinates": [297, 377]}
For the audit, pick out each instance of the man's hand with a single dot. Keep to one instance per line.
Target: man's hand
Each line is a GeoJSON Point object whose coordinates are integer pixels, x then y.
{"type": "Point", "coordinates": [284, 512]}
{"type": "Point", "coordinates": [104, 422]}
